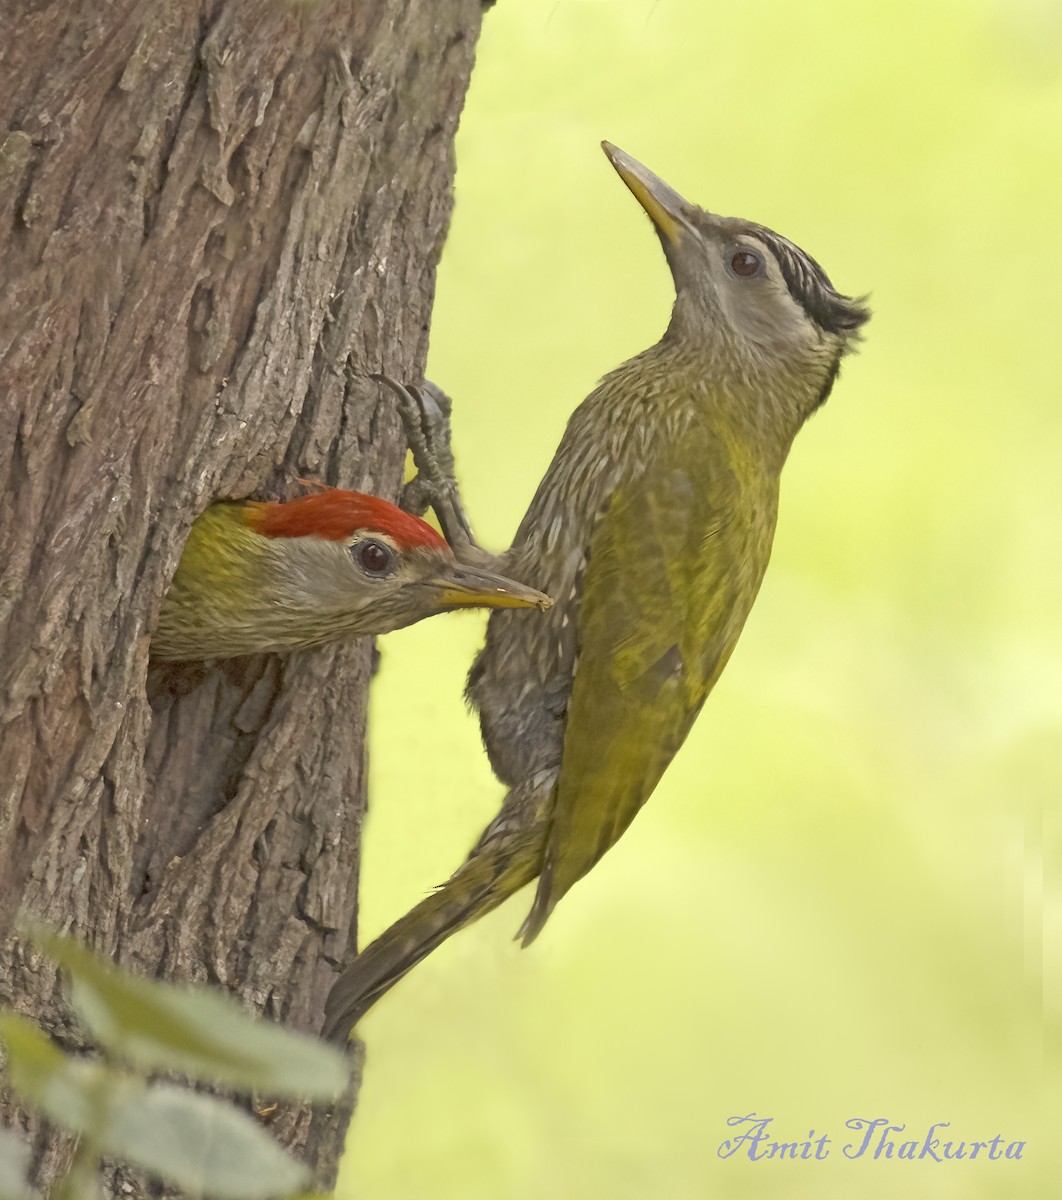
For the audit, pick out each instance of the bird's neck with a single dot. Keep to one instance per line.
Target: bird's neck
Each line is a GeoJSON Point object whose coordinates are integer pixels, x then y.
{"type": "Point", "coordinates": [762, 405]}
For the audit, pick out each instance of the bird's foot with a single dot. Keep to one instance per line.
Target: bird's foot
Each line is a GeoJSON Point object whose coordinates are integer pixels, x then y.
{"type": "Point", "coordinates": [425, 413]}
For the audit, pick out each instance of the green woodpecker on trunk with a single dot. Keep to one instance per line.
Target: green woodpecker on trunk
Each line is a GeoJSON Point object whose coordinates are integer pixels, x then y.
{"type": "Point", "coordinates": [264, 577]}
{"type": "Point", "coordinates": [651, 529]}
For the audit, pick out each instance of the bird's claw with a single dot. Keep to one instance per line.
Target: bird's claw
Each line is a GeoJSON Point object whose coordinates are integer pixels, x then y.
{"type": "Point", "coordinates": [416, 497]}
{"type": "Point", "coordinates": [425, 413]}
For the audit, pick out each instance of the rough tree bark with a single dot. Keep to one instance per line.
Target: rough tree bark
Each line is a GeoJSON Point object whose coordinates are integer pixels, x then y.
{"type": "Point", "coordinates": [215, 218]}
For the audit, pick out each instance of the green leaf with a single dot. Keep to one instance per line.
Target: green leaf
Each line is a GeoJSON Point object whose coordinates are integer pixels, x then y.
{"type": "Point", "coordinates": [82, 1181]}
{"type": "Point", "coordinates": [66, 1089]}
{"type": "Point", "coordinates": [202, 1145]}
{"type": "Point", "coordinates": [197, 1143]}
{"type": "Point", "coordinates": [197, 1032]}
{"type": "Point", "coordinates": [14, 1167]}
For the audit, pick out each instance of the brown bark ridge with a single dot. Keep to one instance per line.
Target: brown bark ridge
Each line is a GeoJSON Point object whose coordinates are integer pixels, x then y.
{"type": "Point", "coordinates": [215, 218]}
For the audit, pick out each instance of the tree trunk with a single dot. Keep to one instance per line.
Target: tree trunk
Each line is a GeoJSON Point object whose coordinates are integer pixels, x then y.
{"type": "Point", "coordinates": [215, 220]}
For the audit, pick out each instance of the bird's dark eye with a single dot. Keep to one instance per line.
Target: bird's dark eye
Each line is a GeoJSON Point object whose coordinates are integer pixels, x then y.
{"type": "Point", "coordinates": [374, 558]}
{"type": "Point", "coordinates": [746, 263]}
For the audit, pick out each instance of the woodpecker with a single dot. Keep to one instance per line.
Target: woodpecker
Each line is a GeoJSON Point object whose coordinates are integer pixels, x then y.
{"type": "Point", "coordinates": [651, 529]}
{"type": "Point", "coordinates": [261, 577]}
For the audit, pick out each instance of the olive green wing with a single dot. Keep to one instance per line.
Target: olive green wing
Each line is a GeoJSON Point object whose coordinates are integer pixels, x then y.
{"type": "Point", "coordinates": [662, 606]}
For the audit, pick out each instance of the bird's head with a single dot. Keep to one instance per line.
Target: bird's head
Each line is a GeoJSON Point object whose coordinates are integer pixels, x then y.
{"type": "Point", "coordinates": [344, 552]}
{"type": "Point", "coordinates": [757, 304]}
{"type": "Point", "coordinates": [270, 577]}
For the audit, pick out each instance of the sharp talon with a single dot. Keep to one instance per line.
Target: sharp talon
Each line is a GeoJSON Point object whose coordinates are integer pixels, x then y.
{"type": "Point", "coordinates": [425, 413]}
{"type": "Point", "coordinates": [445, 404]}
{"type": "Point", "coordinates": [428, 403]}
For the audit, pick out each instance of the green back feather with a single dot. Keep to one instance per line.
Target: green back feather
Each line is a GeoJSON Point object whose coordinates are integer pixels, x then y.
{"type": "Point", "coordinates": [675, 564]}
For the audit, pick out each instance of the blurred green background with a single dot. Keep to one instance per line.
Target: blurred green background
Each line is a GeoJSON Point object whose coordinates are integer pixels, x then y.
{"type": "Point", "coordinates": [837, 903]}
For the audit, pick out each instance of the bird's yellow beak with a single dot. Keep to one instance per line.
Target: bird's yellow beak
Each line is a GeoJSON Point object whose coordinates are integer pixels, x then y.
{"type": "Point", "coordinates": [666, 208]}
{"type": "Point", "coordinates": [471, 587]}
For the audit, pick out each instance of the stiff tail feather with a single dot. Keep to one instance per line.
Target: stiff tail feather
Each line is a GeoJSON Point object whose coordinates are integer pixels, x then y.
{"type": "Point", "coordinates": [490, 876]}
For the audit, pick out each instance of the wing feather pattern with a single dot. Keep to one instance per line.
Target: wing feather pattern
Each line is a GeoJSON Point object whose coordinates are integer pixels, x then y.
{"type": "Point", "coordinates": [667, 590]}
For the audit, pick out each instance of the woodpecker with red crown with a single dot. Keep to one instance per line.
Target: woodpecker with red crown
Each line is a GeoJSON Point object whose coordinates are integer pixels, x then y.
{"type": "Point", "coordinates": [259, 577]}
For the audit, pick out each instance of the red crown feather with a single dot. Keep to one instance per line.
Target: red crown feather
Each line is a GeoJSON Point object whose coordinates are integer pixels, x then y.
{"type": "Point", "coordinates": [335, 514]}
